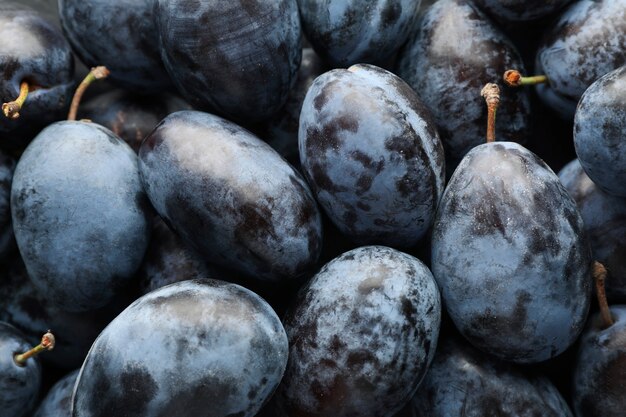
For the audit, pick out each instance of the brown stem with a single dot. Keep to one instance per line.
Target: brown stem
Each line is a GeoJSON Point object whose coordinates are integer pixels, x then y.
{"type": "Point", "coordinates": [47, 343]}
{"type": "Point", "coordinates": [599, 275]}
{"type": "Point", "coordinates": [491, 93]}
{"type": "Point", "coordinates": [12, 108]}
{"type": "Point", "coordinates": [96, 73]}
{"type": "Point", "coordinates": [513, 78]}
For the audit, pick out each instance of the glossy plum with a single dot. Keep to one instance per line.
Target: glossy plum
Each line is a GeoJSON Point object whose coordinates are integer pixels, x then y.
{"type": "Point", "coordinates": [80, 215]}
{"type": "Point", "coordinates": [361, 336]}
{"type": "Point", "coordinates": [200, 347]}
{"type": "Point", "coordinates": [372, 154]}
{"type": "Point", "coordinates": [348, 32]}
{"type": "Point", "coordinates": [58, 400]}
{"type": "Point", "coordinates": [520, 10]}
{"type": "Point", "coordinates": [510, 255]}
{"type": "Point", "coordinates": [600, 130]}
{"type": "Point", "coordinates": [231, 196]}
{"type": "Point", "coordinates": [238, 58]}
{"type": "Point", "coordinates": [455, 51]}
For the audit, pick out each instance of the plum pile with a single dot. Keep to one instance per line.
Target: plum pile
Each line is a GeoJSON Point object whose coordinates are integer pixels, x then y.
{"type": "Point", "coordinates": [332, 208]}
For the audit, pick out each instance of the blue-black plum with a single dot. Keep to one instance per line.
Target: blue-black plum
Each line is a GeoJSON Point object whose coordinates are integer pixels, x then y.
{"type": "Point", "coordinates": [119, 34]}
{"type": "Point", "coordinates": [520, 10]}
{"type": "Point", "coordinates": [510, 255]}
{"type": "Point", "coordinates": [238, 58]}
{"type": "Point", "coordinates": [604, 217]}
{"type": "Point", "coordinates": [7, 166]}
{"type": "Point", "coordinates": [348, 32]}
{"type": "Point", "coordinates": [19, 385]}
{"type": "Point", "coordinates": [600, 130]}
{"type": "Point", "coordinates": [361, 334]}
{"type": "Point", "coordinates": [194, 348]}
{"type": "Point", "coordinates": [463, 381]}
{"type": "Point", "coordinates": [372, 154]}
{"type": "Point", "coordinates": [80, 215]}
{"type": "Point", "coordinates": [58, 401]}
{"type": "Point", "coordinates": [454, 52]}
{"type": "Point", "coordinates": [587, 41]}
{"type": "Point", "coordinates": [231, 196]}
{"type": "Point", "coordinates": [600, 370]}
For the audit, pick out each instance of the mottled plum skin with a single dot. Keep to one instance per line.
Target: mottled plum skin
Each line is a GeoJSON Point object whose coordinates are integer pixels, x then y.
{"type": "Point", "coordinates": [7, 166]}
{"type": "Point", "coordinates": [372, 154]}
{"type": "Point", "coordinates": [520, 10]}
{"type": "Point", "coordinates": [237, 58]}
{"type": "Point", "coordinates": [231, 196]}
{"type": "Point", "coordinates": [33, 50]}
{"type": "Point", "coordinates": [26, 308]}
{"type": "Point", "coordinates": [58, 401]}
{"type": "Point", "coordinates": [465, 382]}
{"type": "Point", "coordinates": [193, 348]}
{"type": "Point", "coordinates": [348, 32]}
{"type": "Point", "coordinates": [130, 116]}
{"type": "Point", "coordinates": [119, 34]}
{"type": "Point", "coordinates": [80, 215]}
{"type": "Point", "coordinates": [600, 370]}
{"type": "Point", "coordinates": [510, 255]}
{"type": "Point", "coordinates": [361, 336]}
{"type": "Point", "coordinates": [587, 41]}
{"type": "Point", "coordinates": [604, 217]}
{"type": "Point", "coordinates": [19, 385]}
{"type": "Point", "coordinates": [600, 131]}
{"type": "Point", "coordinates": [455, 51]}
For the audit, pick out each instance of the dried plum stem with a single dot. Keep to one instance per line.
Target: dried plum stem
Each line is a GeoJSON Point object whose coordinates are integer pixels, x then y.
{"type": "Point", "coordinates": [47, 343]}
{"type": "Point", "coordinates": [12, 108]}
{"type": "Point", "coordinates": [96, 73]}
{"type": "Point", "coordinates": [513, 78]}
{"type": "Point", "coordinates": [599, 275]}
{"type": "Point", "coordinates": [491, 93]}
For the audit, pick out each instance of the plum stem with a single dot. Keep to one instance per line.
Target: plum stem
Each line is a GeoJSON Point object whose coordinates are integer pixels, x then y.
{"type": "Point", "coordinates": [96, 73]}
{"type": "Point", "coordinates": [513, 78]}
{"type": "Point", "coordinates": [12, 108]}
{"type": "Point", "coordinates": [47, 343]}
{"type": "Point", "coordinates": [599, 275]}
{"type": "Point", "coordinates": [491, 93]}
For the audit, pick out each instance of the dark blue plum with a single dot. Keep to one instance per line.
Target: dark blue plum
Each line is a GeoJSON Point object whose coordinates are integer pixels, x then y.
{"type": "Point", "coordinates": [32, 50]}
{"type": "Point", "coordinates": [520, 10]}
{"type": "Point", "coordinates": [587, 41]}
{"type": "Point", "coordinates": [362, 334]}
{"type": "Point", "coordinates": [19, 385]}
{"type": "Point", "coordinates": [80, 215]}
{"type": "Point", "coordinates": [193, 348]}
{"type": "Point", "coordinates": [372, 154]}
{"type": "Point", "coordinates": [599, 131]}
{"type": "Point", "coordinates": [455, 51]}
{"type": "Point", "coordinates": [7, 166]}
{"type": "Point", "coordinates": [510, 255]}
{"type": "Point", "coordinates": [119, 34]}
{"type": "Point", "coordinates": [348, 32]}
{"type": "Point", "coordinates": [600, 370]}
{"type": "Point", "coordinates": [231, 196]}
{"type": "Point", "coordinates": [604, 217]}
{"type": "Point", "coordinates": [465, 382]}
{"type": "Point", "coordinates": [130, 116]}
{"type": "Point", "coordinates": [58, 400]}
{"type": "Point", "coordinates": [238, 58]}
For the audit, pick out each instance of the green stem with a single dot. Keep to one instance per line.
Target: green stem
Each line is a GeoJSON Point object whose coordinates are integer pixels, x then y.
{"type": "Point", "coordinates": [47, 343]}
{"type": "Point", "coordinates": [96, 73]}
{"type": "Point", "coordinates": [514, 78]}
{"type": "Point", "coordinates": [12, 108]}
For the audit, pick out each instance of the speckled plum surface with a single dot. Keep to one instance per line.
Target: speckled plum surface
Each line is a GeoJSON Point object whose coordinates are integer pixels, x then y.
{"type": "Point", "coordinates": [238, 58]}
{"type": "Point", "coordinates": [465, 382]}
{"type": "Point", "coordinates": [231, 196]}
{"type": "Point", "coordinates": [19, 385]}
{"type": "Point", "coordinates": [510, 255]}
{"type": "Point", "coordinates": [193, 348]}
{"type": "Point", "coordinates": [361, 336]}
{"type": "Point", "coordinates": [600, 371]}
{"type": "Point", "coordinates": [80, 214]}
{"type": "Point", "coordinates": [7, 166]}
{"type": "Point", "coordinates": [372, 154]}
{"type": "Point", "coordinates": [520, 10]}
{"type": "Point", "coordinates": [454, 52]}
{"type": "Point", "coordinates": [604, 217]}
{"type": "Point", "coordinates": [58, 401]}
{"type": "Point", "coordinates": [348, 32]}
{"type": "Point", "coordinates": [600, 131]}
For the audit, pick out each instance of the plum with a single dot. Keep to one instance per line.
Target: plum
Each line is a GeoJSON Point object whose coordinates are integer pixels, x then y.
{"type": "Point", "coordinates": [520, 10]}
{"type": "Point", "coordinates": [58, 400]}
